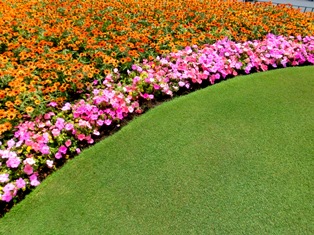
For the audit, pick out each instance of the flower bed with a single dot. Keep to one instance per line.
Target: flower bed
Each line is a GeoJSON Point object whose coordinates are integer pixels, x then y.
{"type": "Point", "coordinates": [52, 50]}
{"type": "Point", "coordinates": [39, 145]}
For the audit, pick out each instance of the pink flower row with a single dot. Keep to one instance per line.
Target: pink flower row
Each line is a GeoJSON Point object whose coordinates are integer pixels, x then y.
{"type": "Point", "coordinates": [39, 144]}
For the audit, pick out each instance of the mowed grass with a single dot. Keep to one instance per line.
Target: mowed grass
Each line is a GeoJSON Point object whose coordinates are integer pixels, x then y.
{"type": "Point", "coordinates": [234, 158]}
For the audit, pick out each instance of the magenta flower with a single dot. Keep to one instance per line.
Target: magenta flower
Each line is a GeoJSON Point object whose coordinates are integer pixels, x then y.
{"type": "Point", "coordinates": [63, 149]}
{"type": "Point", "coordinates": [58, 155]}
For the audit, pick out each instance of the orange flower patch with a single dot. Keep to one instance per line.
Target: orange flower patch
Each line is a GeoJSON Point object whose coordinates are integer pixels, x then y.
{"type": "Point", "coordinates": [49, 49]}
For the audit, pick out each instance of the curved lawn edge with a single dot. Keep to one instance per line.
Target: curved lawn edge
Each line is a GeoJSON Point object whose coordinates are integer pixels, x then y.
{"type": "Point", "coordinates": [250, 167]}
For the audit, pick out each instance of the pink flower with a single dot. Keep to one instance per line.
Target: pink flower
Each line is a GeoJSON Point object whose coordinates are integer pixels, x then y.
{"type": "Point", "coordinates": [181, 84]}
{"type": "Point", "coordinates": [69, 126]}
{"type": "Point", "coordinates": [156, 87]}
{"type": "Point", "coordinates": [13, 162]}
{"type": "Point", "coordinates": [52, 104]}
{"type": "Point", "coordinates": [10, 143]}
{"type": "Point", "coordinates": [47, 116]}
{"type": "Point", "coordinates": [48, 123]}
{"type": "Point", "coordinates": [108, 122]}
{"type": "Point", "coordinates": [7, 154]}
{"type": "Point", "coordinates": [20, 183]}
{"type": "Point", "coordinates": [28, 169]}
{"type": "Point", "coordinates": [81, 137]}
{"type": "Point", "coordinates": [9, 192]}
{"type": "Point", "coordinates": [34, 180]}
{"type": "Point", "coordinates": [29, 161]}
{"type": "Point", "coordinates": [8, 187]}
{"type": "Point", "coordinates": [58, 155]}
{"type": "Point", "coordinates": [68, 143]}
{"type": "Point", "coordinates": [67, 106]}
{"type": "Point", "coordinates": [7, 197]}
{"type": "Point", "coordinates": [89, 139]}
{"type": "Point", "coordinates": [44, 149]}
{"type": "Point", "coordinates": [4, 178]}
{"type": "Point", "coordinates": [60, 123]}
{"type": "Point", "coordinates": [100, 122]}
{"type": "Point", "coordinates": [130, 109]}
{"type": "Point", "coordinates": [94, 117]}
{"type": "Point", "coordinates": [63, 149]}
{"type": "Point", "coordinates": [55, 132]}
{"type": "Point", "coordinates": [78, 150]}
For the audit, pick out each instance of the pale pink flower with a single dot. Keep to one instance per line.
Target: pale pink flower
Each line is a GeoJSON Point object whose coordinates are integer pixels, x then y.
{"type": "Point", "coordinates": [13, 162]}
{"type": "Point", "coordinates": [67, 106]}
{"type": "Point", "coordinates": [108, 122]}
{"type": "Point", "coordinates": [44, 149]}
{"type": "Point", "coordinates": [30, 161]}
{"type": "Point", "coordinates": [53, 104]}
{"type": "Point", "coordinates": [69, 126]}
{"type": "Point", "coordinates": [100, 122]}
{"type": "Point", "coordinates": [60, 123]}
{"type": "Point", "coordinates": [10, 143]}
{"type": "Point", "coordinates": [96, 132]}
{"type": "Point", "coordinates": [8, 187]}
{"type": "Point", "coordinates": [20, 183]}
{"type": "Point", "coordinates": [49, 163]}
{"type": "Point", "coordinates": [55, 132]}
{"type": "Point", "coordinates": [4, 178]}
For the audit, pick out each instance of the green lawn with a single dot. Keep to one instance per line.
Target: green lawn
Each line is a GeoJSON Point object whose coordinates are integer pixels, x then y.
{"type": "Point", "coordinates": [234, 158]}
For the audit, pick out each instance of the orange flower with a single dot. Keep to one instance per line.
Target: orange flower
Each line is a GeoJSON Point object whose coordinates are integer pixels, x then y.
{"type": "Point", "coordinates": [11, 115]}
{"type": "Point", "coordinates": [80, 85]}
{"type": "Point", "coordinates": [29, 109]}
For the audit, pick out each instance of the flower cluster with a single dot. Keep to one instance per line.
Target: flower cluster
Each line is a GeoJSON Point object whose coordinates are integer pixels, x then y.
{"type": "Point", "coordinates": [39, 145]}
